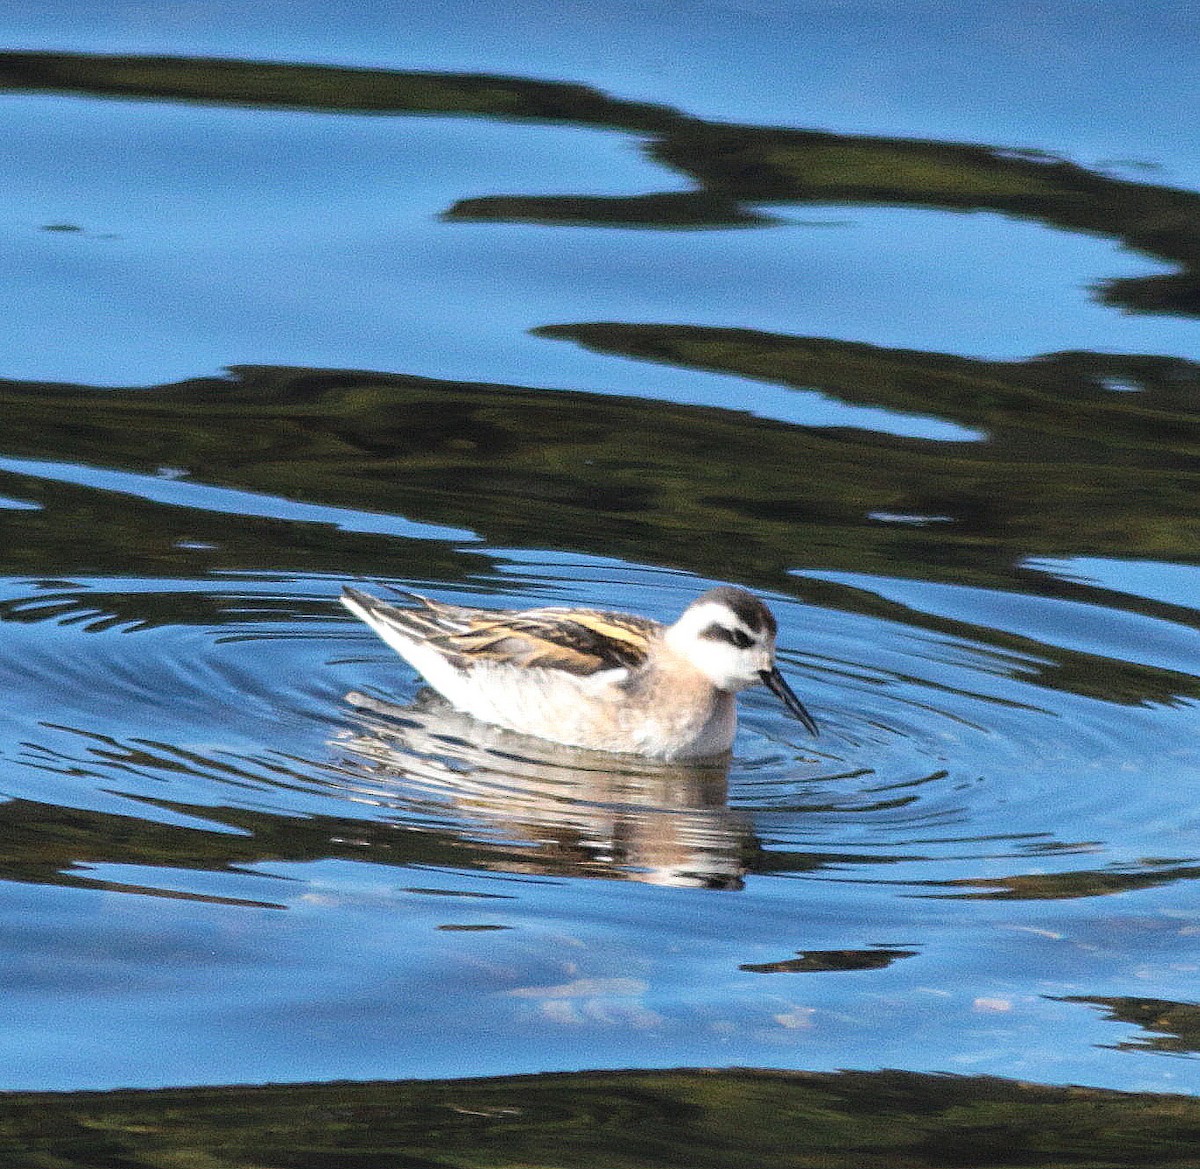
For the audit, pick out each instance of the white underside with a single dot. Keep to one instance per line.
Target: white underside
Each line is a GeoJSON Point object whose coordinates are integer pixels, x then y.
{"type": "Point", "coordinates": [592, 712]}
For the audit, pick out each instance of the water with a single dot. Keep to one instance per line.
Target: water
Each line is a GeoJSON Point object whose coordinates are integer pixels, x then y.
{"type": "Point", "coordinates": [241, 847]}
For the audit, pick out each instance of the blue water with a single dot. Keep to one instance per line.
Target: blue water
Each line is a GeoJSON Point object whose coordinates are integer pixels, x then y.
{"type": "Point", "coordinates": [233, 860]}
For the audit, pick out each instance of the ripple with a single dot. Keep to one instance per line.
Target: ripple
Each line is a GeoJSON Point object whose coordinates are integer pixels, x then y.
{"type": "Point", "coordinates": [171, 486]}
{"type": "Point", "coordinates": [955, 761]}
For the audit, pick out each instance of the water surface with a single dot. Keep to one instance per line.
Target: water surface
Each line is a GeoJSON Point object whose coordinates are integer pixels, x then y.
{"type": "Point", "coordinates": [935, 401]}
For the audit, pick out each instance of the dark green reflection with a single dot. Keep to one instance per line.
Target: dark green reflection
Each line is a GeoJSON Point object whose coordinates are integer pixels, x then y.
{"type": "Point", "coordinates": [48, 844]}
{"type": "Point", "coordinates": [1069, 467]}
{"type": "Point", "coordinates": [831, 961]}
{"type": "Point", "coordinates": [498, 808]}
{"type": "Point", "coordinates": [734, 167]}
{"type": "Point", "coordinates": [267, 84]}
{"type": "Point", "coordinates": [1064, 886]}
{"type": "Point", "coordinates": [619, 1120]}
{"type": "Point", "coordinates": [1168, 1026]}
{"type": "Point", "coordinates": [495, 810]}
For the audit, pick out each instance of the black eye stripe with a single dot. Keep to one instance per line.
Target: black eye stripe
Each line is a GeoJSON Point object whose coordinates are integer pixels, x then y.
{"type": "Point", "coordinates": [736, 637]}
{"type": "Point", "coordinates": [746, 607]}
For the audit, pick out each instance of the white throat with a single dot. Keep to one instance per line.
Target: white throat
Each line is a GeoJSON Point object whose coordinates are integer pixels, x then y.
{"type": "Point", "coordinates": [705, 636]}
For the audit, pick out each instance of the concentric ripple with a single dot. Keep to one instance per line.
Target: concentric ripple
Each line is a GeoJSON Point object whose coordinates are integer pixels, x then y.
{"type": "Point", "coordinates": [951, 756]}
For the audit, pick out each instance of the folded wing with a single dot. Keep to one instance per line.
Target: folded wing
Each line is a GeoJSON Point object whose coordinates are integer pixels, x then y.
{"type": "Point", "coordinates": [578, 641]}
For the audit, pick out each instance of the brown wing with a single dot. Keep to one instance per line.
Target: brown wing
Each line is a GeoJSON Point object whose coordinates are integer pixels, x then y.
{"type": "Point", "coordinates": [580, 641]}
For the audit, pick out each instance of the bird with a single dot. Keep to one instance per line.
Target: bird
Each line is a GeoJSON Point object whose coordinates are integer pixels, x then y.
{"type": "Point", "coordinates": [590, 678]}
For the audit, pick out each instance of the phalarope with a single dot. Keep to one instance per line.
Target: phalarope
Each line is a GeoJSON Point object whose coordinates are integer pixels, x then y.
{"type": "Point", "coordinates": [589, 678]}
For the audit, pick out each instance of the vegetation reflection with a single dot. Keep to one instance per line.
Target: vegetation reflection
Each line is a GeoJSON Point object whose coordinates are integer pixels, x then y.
{"type": "Point", "coordinates": [1068, 467]}
{"type": "Point", "coordinates": [416, 787]}
{"type": "Point", "coordinates": [622, 1120]}
{"type": "Point", "coordinates": [734, 168]}
{"type": "Point", "coordinates": [1172, 1028]}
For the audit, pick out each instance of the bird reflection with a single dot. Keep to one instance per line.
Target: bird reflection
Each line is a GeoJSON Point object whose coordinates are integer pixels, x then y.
{"type": "Point", "coordinates": [522, 805]}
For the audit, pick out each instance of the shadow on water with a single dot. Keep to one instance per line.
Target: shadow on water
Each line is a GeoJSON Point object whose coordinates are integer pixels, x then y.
{"type": "Point", "coordinates": [734, 167]}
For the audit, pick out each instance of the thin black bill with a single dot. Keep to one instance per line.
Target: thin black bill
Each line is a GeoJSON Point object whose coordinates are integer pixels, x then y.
{"type": "Point", "coordinates": [773, 680]}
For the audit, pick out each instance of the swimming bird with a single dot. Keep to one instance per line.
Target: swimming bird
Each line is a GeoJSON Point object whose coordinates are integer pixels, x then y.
{"type": "Point", "coordinates": [591, 678]}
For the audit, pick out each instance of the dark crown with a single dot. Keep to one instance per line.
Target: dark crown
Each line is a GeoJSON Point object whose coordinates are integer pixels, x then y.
{"type": "Point", "coordinates": [746, 607]}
